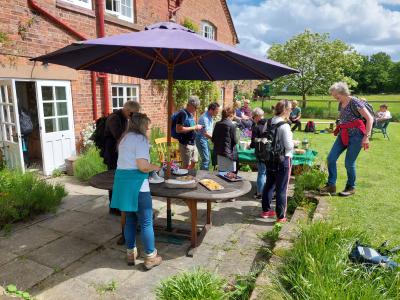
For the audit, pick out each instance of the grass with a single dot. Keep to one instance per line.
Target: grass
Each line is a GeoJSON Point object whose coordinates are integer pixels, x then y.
{"type": "Point", "coordinates": [318, 268]}
{"type": "Point", "coordinates": [89, 164]}
{"type": "Point", "coordinates": [196, 285]}
{"type": "Point", "coordinates": [25, 195]}
{"type": "Point", "coordinates": [372, 208]}
{"type": "Point", "coordinates": [321, 109]}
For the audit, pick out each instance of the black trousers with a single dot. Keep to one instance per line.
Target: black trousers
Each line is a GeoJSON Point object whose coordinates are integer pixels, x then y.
{"type": "Point", "coordinates": [277, 180]}
{"type": "Point", "coordinates": [297, 124]}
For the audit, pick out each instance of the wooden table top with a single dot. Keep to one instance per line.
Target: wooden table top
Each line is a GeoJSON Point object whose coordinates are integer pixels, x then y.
{"type": "Point", "coordinates": [231, 190]}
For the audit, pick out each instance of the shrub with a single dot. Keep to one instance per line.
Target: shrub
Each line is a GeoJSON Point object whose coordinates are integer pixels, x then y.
{"type": "Point", "coordinates": [196, 285]}
{"type": "Point", "coordinates": [318, 268]}
{"type": "Point", "coordinates": [26, 195]}
{"type": "Point", "coordinates": [89, 164]}
{"type": "Point", "coordinates": [310, 180]}
{"type": "Point", "coordinates": [156, 133]}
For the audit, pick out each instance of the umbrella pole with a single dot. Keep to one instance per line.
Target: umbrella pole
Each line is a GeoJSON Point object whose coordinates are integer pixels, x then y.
{"type": "Point", "coordinates": [169, 114]}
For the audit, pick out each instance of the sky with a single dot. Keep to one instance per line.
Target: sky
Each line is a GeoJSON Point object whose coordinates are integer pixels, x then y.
{"type": "Point", "coordinates": [370, 26]}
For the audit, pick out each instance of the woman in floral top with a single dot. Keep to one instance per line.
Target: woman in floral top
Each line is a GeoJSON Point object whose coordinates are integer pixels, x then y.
{"type": "Point", "coordinates": [353, 131]}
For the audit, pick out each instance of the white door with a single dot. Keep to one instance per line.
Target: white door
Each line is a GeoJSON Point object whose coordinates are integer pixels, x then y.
{"type": "Point", "coordinates": [10, 136]}
{"type": "Point", "coordinates": [56, 123]}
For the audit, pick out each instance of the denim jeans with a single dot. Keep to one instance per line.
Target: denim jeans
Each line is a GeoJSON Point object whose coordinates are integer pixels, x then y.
{"type": "Point", "coordinates": [278, 181]}
{"type": "Point", "coordinates": [353, 149]}
{"type": "Point", "coordinates": [261, 177]}
{"type": "Point", "coordinates": [204, 151]}
{"type": "Point", "coordinates": [145, 216]}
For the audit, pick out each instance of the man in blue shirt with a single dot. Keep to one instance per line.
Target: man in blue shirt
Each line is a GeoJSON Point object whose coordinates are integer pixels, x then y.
{"type": "Point", "coordinates": [186, 128]}
{"type": "Point", "coordinates": [205, 134]}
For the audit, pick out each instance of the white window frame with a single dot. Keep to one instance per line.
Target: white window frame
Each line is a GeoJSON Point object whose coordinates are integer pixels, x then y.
{"type": "Point", "coordinates": [124, 94]}
{"type": "Point", "coordinates": [117, 13]}
{"type": "Point", "coordinates": [81, 3]}
{"type": "Point", "coordinates": [208, 28]}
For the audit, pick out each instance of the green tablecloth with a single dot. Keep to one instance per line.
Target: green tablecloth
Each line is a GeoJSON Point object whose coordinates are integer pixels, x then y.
{"type": "Point", "coordinates": [248, 156]}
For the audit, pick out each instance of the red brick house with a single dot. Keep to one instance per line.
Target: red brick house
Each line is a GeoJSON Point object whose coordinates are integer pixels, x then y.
{"type": "Point", "coordinates": [62, 101]}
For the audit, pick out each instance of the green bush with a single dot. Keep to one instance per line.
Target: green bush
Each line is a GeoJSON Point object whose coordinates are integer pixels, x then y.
{"type": "Point", "coordinates": [89, 164]}
{"type": "Point", "coordinates": [310, 180]}
{"type": "Point", "coordinates": [318, 268]}
{"type": "Point", "coordinates": [156, 133]}
{"type": "Point", "coordinates": [26, 195]}
{"type": "Point", "coordinates": [196, 285]}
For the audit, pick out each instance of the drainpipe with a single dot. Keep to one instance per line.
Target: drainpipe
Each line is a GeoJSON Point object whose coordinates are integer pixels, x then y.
{"type": "Point", "coordinates": [100, 9]}
{"type": "Point", "coordinates": [172, 13]}
{"type": "Point", "coordinates": [80, 36]}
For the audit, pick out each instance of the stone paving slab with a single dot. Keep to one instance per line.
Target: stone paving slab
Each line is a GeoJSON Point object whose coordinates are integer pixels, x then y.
{"type": "Point", "coordinates": [97, 232]}
{"type": "Point", "coordinates": [62, 252]}
{"type": "Point", "coordinates": [24, 273]}
{"type": "Point", "coordinates": [74, 201]}
{"type": "Point", "coordinates": [27, 240]}
{"type": "Point", "coordinates": [68, 221]}
{"type": "Point", "coordinates": [6, 256]}
{"type": "Point", "coordinates": [99, 206]}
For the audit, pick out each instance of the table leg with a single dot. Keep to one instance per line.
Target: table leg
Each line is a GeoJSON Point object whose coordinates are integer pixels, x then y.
{"type": "Point", "coordinates": [209, 212]}
{"type": "Point", "coordinates": [169, 215]}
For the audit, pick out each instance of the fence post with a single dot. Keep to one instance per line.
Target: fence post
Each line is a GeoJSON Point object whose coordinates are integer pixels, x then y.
{"type": "Point", "coordinates": [329, 107]}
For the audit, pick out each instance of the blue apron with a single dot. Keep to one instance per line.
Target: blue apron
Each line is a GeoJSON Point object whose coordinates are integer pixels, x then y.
{"type": "Point", "coordinates": [126, 188]}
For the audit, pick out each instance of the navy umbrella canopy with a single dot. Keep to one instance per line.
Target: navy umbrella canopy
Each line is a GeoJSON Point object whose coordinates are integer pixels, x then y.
{"type": "Point", "coordinates": [169, 51]}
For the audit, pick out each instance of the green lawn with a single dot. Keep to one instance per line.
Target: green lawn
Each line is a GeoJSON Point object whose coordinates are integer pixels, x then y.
{"type": "Point", "coordinates": [376, 204]}
{"type": "Point", "coordinates": [393, 107]}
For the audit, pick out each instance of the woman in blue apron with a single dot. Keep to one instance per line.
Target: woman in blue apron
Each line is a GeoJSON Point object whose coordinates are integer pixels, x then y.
{"type": "Point", "coordinates": [131, 190]}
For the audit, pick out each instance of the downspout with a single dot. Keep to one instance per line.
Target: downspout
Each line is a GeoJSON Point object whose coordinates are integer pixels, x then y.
{"type": "Point", "coordinates": [100, 9]}
{"type": "Point", "coordinates": [80, 36]}
{"type": "Point", "coordinates": [172, 13]}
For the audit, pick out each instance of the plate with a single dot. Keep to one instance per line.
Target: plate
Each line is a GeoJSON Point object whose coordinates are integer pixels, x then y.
{"type": "Point", "coordinates": [180, 172]}
{"type": "Point", "coordinates": [224, 176]}
{"type": "Point", "coordinates": [155, 181]}
{"type": "Point", "coordinates": [211, 185]}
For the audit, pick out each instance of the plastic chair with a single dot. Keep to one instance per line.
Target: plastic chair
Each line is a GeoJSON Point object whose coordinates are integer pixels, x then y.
{"type": "Point", "coordinates": [161, 146]}
{"type": "Point", "coordinates": [381, 127]}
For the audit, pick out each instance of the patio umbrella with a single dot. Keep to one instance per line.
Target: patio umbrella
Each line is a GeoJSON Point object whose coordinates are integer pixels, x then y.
{"type": "Point", "coordinates": [169, 51]}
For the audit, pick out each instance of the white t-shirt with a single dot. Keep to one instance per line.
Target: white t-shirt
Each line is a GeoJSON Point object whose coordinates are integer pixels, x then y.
{"type": "Point", "coordinates": [132, 147]}
{"type": "Point", "coordinates": [383, 115]}
{"type": "Point", "coordinates": [285, 135]}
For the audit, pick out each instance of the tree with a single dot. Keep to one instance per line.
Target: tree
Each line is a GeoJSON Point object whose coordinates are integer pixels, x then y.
{"type": "Point", "coordinates": [319, 60]}
{"type": "Point", "coordinates": [394, 78]}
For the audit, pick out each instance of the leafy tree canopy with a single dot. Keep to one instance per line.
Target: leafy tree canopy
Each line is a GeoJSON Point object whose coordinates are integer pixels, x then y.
{"type": "Point", "coordinates": [319, 60]}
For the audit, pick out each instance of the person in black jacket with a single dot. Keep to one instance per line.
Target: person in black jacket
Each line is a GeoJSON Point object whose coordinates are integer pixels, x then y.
{"type": "Point", "coordinates": [256, 132]}
{"type": "Point", "coordinates": [224, 139]}
{"type": "Point", "coordinates": [116, 125]}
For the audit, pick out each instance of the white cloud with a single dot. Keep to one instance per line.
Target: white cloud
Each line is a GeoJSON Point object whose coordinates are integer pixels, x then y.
{"type": "Point", "coordinates": [367, 25]}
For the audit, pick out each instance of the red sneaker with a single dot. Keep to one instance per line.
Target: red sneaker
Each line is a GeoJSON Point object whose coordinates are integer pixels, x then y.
{"type": "Point", "coordinates": [283, 220]}
{"type": "Point", "coordinates": [268, 214]}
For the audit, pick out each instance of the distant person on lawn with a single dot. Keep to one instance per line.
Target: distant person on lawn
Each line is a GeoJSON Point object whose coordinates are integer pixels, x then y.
{"type": "Point", "coordinates": [116, 125]}
{"type": "Point", "coordinates": [353, 134]}
{"type": "Point", "coordinates": [205, 134]}
{"type": "Point", "coordinates": [240, 117]}
{"type": "Point", "coordinates": [186, 128]}
{"type": "Point", "coordinates": [382, 115]}
{"type": "Point", "coordinates": [132, 190]}
{"type": "Point", "coordinates": [256, 132]}
{"type": "Point", "coordinates": [295, 116]}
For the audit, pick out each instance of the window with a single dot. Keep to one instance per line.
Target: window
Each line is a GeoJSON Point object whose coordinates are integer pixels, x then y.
{"type": "Point", "coordinates": [55, 108]}
{"type": "Point", "coordinates": [123, 93]}
{"type": "Point", "coordinates": [208, 30]}
{"type": "Point", "coordinates": [122, 9]}
{"type": "Point", "coordinates": [84, 3]}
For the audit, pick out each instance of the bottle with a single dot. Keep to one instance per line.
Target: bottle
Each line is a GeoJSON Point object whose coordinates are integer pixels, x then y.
{"type": "Point", "coordinates": [305, 144]}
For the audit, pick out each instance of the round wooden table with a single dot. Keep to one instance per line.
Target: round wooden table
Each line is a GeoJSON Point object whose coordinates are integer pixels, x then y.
{"type": "Point", "coordinates": [191, 197]}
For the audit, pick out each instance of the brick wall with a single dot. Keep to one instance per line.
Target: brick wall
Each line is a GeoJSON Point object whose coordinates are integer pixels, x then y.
{"type": "Point", "coordinates": [32, 35]}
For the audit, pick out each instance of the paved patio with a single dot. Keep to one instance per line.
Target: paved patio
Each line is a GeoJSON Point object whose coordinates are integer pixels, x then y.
{"type": "Point", "coordinates": [72, 254]}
